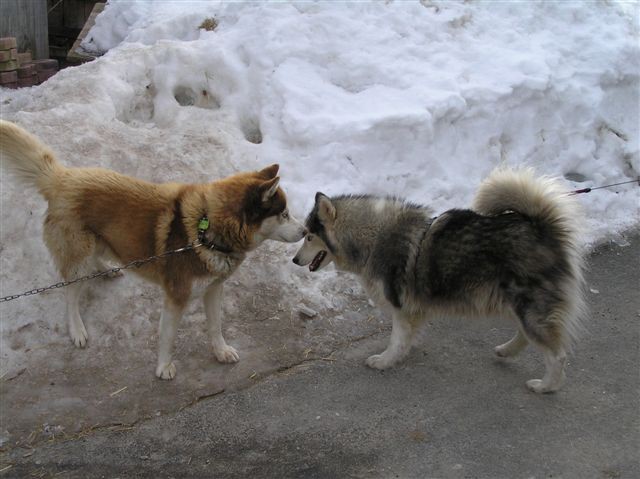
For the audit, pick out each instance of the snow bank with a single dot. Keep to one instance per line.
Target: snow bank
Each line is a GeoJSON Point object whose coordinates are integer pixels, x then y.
{"type": "Point", "coordinates": [419, 99]}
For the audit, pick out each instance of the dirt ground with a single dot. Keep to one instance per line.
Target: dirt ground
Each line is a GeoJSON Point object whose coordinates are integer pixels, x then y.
{"type": "Point", "coordinates": [61, 392]}
{"type": "Point", "coordinates": [300, 403]}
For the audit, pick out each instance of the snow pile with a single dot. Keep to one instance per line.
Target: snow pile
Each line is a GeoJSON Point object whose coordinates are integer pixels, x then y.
{"type": "Point", "coordinates": [418, 99]}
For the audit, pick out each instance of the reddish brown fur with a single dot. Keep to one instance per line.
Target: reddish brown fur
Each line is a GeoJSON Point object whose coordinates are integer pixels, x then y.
{"type": "Point", "coordinates": [134, 219]}
{"type": "Point", "coordinates": [95, 212]}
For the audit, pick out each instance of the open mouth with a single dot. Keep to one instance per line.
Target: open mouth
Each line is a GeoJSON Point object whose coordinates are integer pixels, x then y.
{"type": "Point", "coordinates": [317, 260]}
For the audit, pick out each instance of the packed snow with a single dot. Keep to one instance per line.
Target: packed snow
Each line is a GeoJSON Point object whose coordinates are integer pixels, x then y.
{"type": "Point", "coordinates": [417, 99]}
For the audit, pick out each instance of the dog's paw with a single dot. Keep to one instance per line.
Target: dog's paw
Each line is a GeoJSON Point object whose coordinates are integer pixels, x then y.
{"type": "Point", "coordinates": [511, 348]}
{"type": "Point", "coordinates": [79, 335]}
{"type": "Point", "coordinates": [379, 361]}
{"type": "Point", "coordinates": [537, 386]}
{"type": "Point", "coordinates": [226, 354]}
{"type": "Point", "coordinates": [504, 351]}
{"type": "Point", "coordinates": [166, 371]}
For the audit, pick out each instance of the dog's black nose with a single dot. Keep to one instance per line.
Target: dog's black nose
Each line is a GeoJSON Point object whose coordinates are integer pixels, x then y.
{"type": "Point", "coordinates": [295, 261]}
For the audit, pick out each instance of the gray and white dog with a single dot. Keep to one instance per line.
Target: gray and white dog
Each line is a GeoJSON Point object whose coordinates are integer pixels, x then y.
{"type": "Point", "coordinates": [516, 254]}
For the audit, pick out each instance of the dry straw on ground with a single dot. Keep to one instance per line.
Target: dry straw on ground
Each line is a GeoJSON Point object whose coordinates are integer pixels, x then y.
{"type": "Point", "coordinates": [209, 24]}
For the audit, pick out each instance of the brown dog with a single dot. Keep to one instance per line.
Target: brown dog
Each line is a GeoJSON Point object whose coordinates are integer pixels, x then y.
{"type": "Point", "coordinates": [95, 213]}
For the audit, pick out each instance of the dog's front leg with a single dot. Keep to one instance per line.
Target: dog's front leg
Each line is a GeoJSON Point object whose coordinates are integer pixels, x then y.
{"type": "Point", "coordinates": [399, 344]}
{"type": "Point", "coordinates": [171, 315]}
{"type": "Point", "coordinates": [213, 308]}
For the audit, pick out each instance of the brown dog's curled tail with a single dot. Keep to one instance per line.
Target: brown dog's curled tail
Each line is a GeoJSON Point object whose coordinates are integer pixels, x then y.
{"type": "Point", "coordinates": [27, 157]}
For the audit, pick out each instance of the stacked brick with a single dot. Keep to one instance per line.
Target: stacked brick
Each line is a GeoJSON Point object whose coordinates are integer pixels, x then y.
{"type": "Point", "coordinates": [8, 62]}
{"type": "Point", "coordinates": [45, 69]}
{"type": "Point", "coordinates": [27, 75]}
{"type": "Point", "coordinates": [19, 70]}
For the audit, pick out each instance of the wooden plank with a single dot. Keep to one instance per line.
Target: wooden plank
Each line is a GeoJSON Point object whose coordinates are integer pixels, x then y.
{"type": "Point", "coordinates": [75, 55]}
{"type": "Point", "coordinates": [27, 21]}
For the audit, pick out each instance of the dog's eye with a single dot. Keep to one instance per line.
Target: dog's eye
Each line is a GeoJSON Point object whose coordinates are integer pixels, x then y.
{"type": "Point", "coordinates": [285, 215]}
{"type": "Point", "coordinates": [309, 238]}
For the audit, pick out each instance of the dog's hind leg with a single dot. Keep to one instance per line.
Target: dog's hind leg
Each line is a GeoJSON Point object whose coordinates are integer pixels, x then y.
{"type": "Point", "coordinates": [72, 249]}
{"type": "Point", "coordinates": [513, 347]}
{"type": "Point", "coordinates": [554, 376]}
{"type": "Point", "coordinates": [77, 331]}
{"type": "Point", "coordinates": [213, 309]}
{"type": "Point", "coordinates": [543, 326]}
{"type": "Point", "coordinates": [101, 263]}
{"type": "Point", "coordinates": [399, 344]}
{"type": "Point", "coordinates": [169, 320]}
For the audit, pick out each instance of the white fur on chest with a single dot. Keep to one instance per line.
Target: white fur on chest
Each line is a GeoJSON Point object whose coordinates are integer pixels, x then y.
{"type": "Point", "coordinates": [220, 267]}
{"type": "Point", "coordinates": [223, 265]}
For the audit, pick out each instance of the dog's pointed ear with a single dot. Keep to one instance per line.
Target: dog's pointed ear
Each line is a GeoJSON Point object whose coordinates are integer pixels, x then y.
{"type": "Point", "coordinates": [269, 188]}
{"type": "Point", "coordinates": [268, 172]}
{"type": "Point", "coordinates": [326, 210]}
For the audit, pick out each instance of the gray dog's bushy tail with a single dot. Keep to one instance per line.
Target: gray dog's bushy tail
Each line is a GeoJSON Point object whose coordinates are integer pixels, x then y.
{"type": "Point", "coordinates": [545, 199]}
{"type": "Point", "coordinates": [27, 157]}
{"type": "Point", "coordinates": [522, 191]}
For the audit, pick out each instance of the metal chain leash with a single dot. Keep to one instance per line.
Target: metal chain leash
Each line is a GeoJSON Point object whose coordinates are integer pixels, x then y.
{"type": "Point", "coordinates": [203, 225]}
{"type": "Point", "coordinates": [133, 264]}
